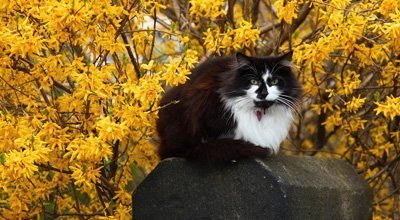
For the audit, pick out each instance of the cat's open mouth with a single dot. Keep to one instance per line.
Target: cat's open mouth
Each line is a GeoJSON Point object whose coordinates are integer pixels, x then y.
{"type": "Point", "coordinates": [263, 104]}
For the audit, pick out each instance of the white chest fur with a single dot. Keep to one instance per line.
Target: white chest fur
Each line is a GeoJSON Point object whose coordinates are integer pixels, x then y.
{"type": "Point", "coordinates": [269, 131]}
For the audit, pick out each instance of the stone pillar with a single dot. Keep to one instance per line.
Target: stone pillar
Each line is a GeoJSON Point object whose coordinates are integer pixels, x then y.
{"type": "Point", "coordinates": [280, 187]}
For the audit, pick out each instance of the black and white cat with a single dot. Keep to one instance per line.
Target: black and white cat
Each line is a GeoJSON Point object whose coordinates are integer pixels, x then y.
{"type": "Point", "coordinates": [230, 108]}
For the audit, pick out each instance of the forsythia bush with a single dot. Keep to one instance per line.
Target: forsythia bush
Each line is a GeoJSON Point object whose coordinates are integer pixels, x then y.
{"type": "Point", "coordinates": [80, 82]}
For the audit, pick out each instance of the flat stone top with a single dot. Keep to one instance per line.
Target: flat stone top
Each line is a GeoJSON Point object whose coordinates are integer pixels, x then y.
{"type": "Point", "coordinates": [301, 171]}
{"type": "Point", "coordinates": [313, 172]}
{"type": "Point", "coordinates": [280, 187]}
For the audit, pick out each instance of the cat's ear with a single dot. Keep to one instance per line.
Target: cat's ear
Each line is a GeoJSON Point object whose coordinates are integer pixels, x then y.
{"type": "Point", "coordinates": [242, 59]}
{"type": "Point", "coordinates": [286, 56]}
{"type": "Point", "coordinates": [286, 59]}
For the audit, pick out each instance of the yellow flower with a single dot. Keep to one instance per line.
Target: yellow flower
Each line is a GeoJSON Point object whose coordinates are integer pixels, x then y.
{"type": "Point", "coordinates": [86, 175]}
{"type": "Point", "coordinates": [206, 8]}
{"type": "Point", "coordinates": [390, 109]}
{"type": "Point", "coordinates": [80, 83]}
{"type": "Point", "coordinates": [148, 66]}
{"type": "Point", "coordinates": [90, 149]}
{"type": "Point", "coordinates": [110, 130]}
{"type": "Point", "coordinates": [20, 164]}
{"type": "Point", "coordinates": [233, 39]}
{"type": "Point", "coordinates": [355, 104]}
{"type": "Point", "coordinates": [286, 12]}
{"type": "Point", "coordinates": [388, 6]}
{"type": "Point", "coordinates": [332, 121]}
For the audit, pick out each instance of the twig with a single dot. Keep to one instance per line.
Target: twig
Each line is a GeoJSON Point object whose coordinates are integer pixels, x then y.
{"type": "Point", "coordinates": [154, 34]}
{"type": "Point", "coordinates": [108, 184]}
{"type": "Point", "coordinates": [114, 161]}
{"type": "Point", "coordinates": [43, 93]}
{"type": "Point", "coordinates": [78, 208]}
{"type": "Point", "coordinates": [388, 195]}
{"type": "Point", "coordinates": [305, 10]}
{"type": "Point", "coordinates": [131, 56]}
{"type": "Point", "coordinates": [266, 28]}
{"type": "Point", "coordinates": [61, 86]}
{"type": "Point", "coordinates": [385, 168]}
{"type": "Point", "coordinates": [82, 214]}
{"type": "Point", "coordinates": [101, 200]}
{"type": "Point", "coordinates": [12, 87]}
{"type": "Point", "coordinates": [117, 33]}
{"type": "Point", "coordinates": [378, 87]}
{"type": "Point", "coordinates": [49, 167]}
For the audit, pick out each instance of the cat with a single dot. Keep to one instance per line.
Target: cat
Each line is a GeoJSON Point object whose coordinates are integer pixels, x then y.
{"type": "Point", "coordinates": [230, 108]}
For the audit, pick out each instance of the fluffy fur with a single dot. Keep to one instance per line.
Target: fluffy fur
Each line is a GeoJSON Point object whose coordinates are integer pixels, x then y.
{"type": "Point", "coordinates": [267, 132]}
{"type": "Point", "coordinates": [230, 108]}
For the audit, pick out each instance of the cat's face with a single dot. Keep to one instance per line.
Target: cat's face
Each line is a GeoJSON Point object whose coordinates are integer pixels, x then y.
{"type": "Point", "coordinates": [266, 81]}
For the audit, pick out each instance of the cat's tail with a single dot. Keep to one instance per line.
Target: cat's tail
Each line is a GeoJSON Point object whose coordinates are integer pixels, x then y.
{"type": "Point", "coordinates": [225, 150]}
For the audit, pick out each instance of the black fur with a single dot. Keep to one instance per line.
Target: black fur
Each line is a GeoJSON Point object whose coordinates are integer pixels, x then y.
{"type": "Point", "coordinates": [199, 127]}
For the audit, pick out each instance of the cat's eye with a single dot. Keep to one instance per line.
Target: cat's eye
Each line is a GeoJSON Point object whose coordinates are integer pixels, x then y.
{"type": "Point", "coordinates": [274, 81]}
{"type": "Point", "coordinates": [255, 82]}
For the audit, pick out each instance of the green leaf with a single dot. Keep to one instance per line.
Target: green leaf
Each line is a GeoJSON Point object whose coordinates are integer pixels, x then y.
{"type": "Point", "coordinates": [16, 17]}
{"type": "Point", "coordinates": [377, 96]}
{"type": "Point", "coordinates": [2, 158]}
{"type": "Point", "coordinates": [130, 186]}
{"type": "Point", "coordinates": [32, 139]}
{"type": "Point", "coordinates": [138, 175]}
{"type": "Point", "coordinates": [49, 207]}
{"type": "Point", "coordinates": [84, 168]}
{"type": "Point", "coordinates": [83, 198]}
{"type": "Point", "coordinates": [50, 176]}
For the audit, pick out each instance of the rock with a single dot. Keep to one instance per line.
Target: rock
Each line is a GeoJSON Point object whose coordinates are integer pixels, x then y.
{"type": "Point", "coordinates": [280, 187]}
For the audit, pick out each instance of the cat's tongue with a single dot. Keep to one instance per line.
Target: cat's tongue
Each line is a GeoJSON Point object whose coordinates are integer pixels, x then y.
{"type": "Point", "coordinates": [259, 115]}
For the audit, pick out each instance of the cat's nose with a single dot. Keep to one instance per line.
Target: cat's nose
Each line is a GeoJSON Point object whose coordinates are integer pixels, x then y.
{"type": "Point", "coordinates": [262, 94]}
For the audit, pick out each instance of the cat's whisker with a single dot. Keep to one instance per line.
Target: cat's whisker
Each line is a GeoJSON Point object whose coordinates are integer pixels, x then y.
{"type": "Point", "coordinates": [293, 103]}
{"type": "Point", "coordinates": [251, 67]}
{"type": "Point", "coordinates": [273, 68]}
{"type": "Point", "coordinates": [240, 101]}
{"type": "Point", "coordinates": [291, 108]}
{"type": "Point", "coordinates": [228, 93]}
{"type": "Point", "coordinates": [287, 103]}
{"type": "Point", "coordinates": [288, 96]}
{"type": "Point", "coordinates": [291, 98]}
{"type": "Point", "coordinates": [274, 71]}
{"type": "Point", "coordinates": [300, 100]}
{"type": "Point", "coordinates": [295, 109]}
{"type": "Point", "coordinates": [290, 104]}
{"type": "Point", "coordinates": [242, 66]}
